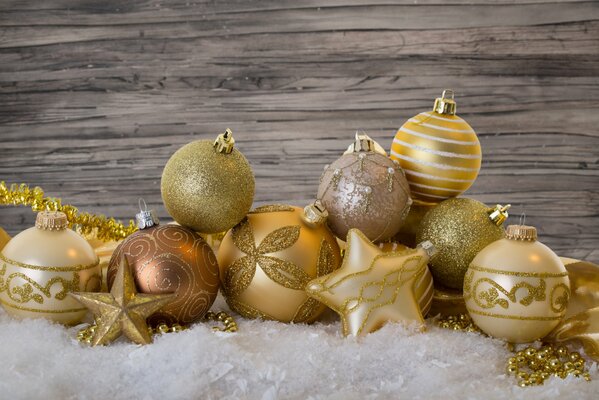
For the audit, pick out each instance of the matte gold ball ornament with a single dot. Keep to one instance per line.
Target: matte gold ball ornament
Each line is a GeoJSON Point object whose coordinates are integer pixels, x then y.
{"type": "Point", "coordinates": [40, 266]}
{"type": "Point", "coordinates": [439, 152]}
{"type": "Point", "coordinates": [169, 259]}
{"type": "Point", "coordinates": [268, 258]}
{"type": "Point", "coordinates": [459, 228]}
{"type": "Point", "coordinates": [517, 288]}
{"type": "Point", "coordinates": [208, 186]}
{"type": "Point", "coordinates": [366, 190]}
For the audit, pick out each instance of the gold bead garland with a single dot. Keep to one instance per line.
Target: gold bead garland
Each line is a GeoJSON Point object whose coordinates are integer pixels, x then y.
{"type": "Point", "coordinates": [229, 325]}
{"type": "Point", "coordinates": [530, 366]}
{"type": "Point", "coordinates": [103, 228]}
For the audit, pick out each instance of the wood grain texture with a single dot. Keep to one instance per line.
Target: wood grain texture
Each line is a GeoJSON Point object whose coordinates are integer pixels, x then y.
{"type": "Point", "coordinates": [96, 96]}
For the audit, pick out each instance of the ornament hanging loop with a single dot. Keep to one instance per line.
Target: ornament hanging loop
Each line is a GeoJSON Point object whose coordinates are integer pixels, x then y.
{"type": "Point", "coordinates": [445, 104]}
{"type": "Point", "coordinates": [225, 142]}
{"type": "Point", "coordinates": [145, 218]}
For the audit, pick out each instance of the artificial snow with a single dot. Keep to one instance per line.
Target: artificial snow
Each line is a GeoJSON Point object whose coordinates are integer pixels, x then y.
{"type": "Point", "coordinates": [264, 361]}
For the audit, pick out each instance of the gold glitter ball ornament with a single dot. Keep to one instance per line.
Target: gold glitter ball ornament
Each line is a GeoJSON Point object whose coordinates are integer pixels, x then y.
{"type": "Point", "coordinates": [268, 258]}
{"type": "Point", "coordinates": [516, 288]}
{"type": "Point", "coordinates": [459, 228]}
{"type": "Point", "coordinates": [206, 186]}
{"type": "Point", "coordinates": [439, 152]}
{"type": "Point", "coordinates": [366, 190]}
{"type": "Point", "coordinates": [40, 266]}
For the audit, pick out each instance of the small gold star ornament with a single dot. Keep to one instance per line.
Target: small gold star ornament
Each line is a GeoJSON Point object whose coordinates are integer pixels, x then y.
{"type": "Point", "coordinates": [123, 310]}
{"type": "Point", "coordinates": [373, 287]}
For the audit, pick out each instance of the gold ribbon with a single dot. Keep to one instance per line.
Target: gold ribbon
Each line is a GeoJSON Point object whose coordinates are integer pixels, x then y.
{"type": "Point", "coordinates": [581, 322]}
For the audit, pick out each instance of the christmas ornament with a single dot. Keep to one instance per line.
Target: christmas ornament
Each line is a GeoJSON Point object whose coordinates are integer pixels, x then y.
{"type": "Point", "coordinates": [423, 286]}
{"type": "Point", "coordinates": [516, 288]}
{"type": "Point", "coordinates": [208, 187]}
{"type": "Point", "coordinates": [268, 258]}
{"type": "Point", "coordinates": [459, 229]}
{"type": "Point", "coordinates": [170, 259]}
{"type": "Point", "coordinates": [364, 189]}
{"type": "Point", "coordinates": [123, 310]}
{"type": "Point", "coordinates": [372, 287]}
{"type": "Point", "coordinates": [447, 302]}
{"type": "Point", "coordinates": [439, 152]}
{"type": "Point", "coordinates": [409, 229]}
{"type": "Point", "coordinates": [89, 225]}
{"type": "Point", "coordinates": [41, 265]}
{"type": "Point", "coordinates": [4, 238]}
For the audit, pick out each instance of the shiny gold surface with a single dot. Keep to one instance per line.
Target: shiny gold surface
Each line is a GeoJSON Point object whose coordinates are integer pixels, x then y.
{"type": "Point", "coordinates": [205, 189]}
{"type": "Point", "coordinates": [372, 287]}
{"type": "Point", "coordinates": [4, 238]}
{"type": "Point", "coordinates": [459, 228]}
{"type": "Point", "coordinates": [267, 259]}
{"type": "Point", "coordinates": [516, 290]}
{"type": "Point", "coordinates": [123, 310]}
{"type": "Point", "coordinates": [407, 232]}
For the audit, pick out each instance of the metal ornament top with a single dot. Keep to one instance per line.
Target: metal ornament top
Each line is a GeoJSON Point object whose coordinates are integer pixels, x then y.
{"type": "Point", "coordinates": [145, 218]}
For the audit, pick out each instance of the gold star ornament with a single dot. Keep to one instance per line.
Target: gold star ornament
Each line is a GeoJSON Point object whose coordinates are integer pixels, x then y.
{"type": "Point", "coordinates": [373, 287]}
{"type": "Point", "coordinates": [123, 310]}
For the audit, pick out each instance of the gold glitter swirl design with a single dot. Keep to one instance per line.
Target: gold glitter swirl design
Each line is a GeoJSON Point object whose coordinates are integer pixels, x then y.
{"type": "Point", "coordinates": [365, 190]}
{"type": "Point", "coordinates": [490, 297]}
{"type": "Point", "coordinates": [79, 267]}
{"type": "Point", "coordinates": [26, 291]}
{"type": "Point", "coordinates": [99, 226]}
{"type": "Point", "coordinates": [171, 259]}
{"type": "Point", "coordinates": [560, 296]}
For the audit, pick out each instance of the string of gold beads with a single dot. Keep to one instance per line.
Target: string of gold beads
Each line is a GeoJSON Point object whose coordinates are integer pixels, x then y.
{"type": "Point", "coordinates": [534, 366]}
{"type": "Point", "coordinates": [461, 322]}
{"type": "Point", "coordinates": [86, 334]}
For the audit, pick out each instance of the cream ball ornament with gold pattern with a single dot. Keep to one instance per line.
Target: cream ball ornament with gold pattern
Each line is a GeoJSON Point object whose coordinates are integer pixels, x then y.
{"type": "Point", "coordinates": [439, 152]}
{"type": "Point", "coordinates": [517, 288]}
{"type": "Point", "coordinates": [40, 266]}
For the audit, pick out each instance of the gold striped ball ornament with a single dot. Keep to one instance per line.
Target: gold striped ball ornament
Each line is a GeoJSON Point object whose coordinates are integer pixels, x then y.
{"type": "Point", "coordinates": [206, 186]}
{"type": "Point", "coordinates": [364, 189]}
{"type": "Point", "coordinates": [40, 266]}
{"type": "Point", "coordinates": [439, 152]}
{"type": "Point", "coordinates": [267, 260]}
{"type": "Point", "coordinates": [459, 228]}
{"type": "Point", "coordinates": [516, 288]}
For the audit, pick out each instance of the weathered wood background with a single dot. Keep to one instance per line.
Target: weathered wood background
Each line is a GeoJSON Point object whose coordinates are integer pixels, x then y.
{"type": "Point", "coordinates": [95, 96]}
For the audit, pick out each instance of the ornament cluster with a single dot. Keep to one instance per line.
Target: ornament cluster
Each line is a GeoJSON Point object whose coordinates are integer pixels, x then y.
{"type": "Point", "coordinates": [386, 240]}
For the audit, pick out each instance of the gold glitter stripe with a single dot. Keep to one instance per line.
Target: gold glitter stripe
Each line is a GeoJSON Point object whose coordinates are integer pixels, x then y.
{"type": "Point", "coordinates": [486, 314]}
{"type": "Point", "coordinates": [70, 310]}
{"type": "Point", "coordinates": [56, 269]}
{"type": "Point", "coordinates": [520, 274]}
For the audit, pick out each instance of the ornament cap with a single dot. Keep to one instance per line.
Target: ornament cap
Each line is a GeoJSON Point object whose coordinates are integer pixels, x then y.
{"type": "Point", "coordinates": [363, 142]}
{"type": "Point", "coordinates": [51, 221]}
{"type": "Point", "coordinates": [225, 142]}
{"type": "Point", "coordinates": [445, 104]}
{"type": "Point", "coordinates": [499, 214]}
{"type": "Point", "coordinates": [522, 232]}
{"type": "Point", "coordinates": [428, 247]}
{"type": "Point", "coordinates": [315, 214]}
{"type": "Point", "coordinates": [145, 218]}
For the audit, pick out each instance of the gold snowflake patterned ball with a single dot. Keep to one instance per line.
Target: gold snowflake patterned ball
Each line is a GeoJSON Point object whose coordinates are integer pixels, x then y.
{"type": "Point", "coordinates": [365, 190]}
{"type": "Point", "coordinates": [268, 258]}
{"type": "Point", "coordinates": [516, 288]}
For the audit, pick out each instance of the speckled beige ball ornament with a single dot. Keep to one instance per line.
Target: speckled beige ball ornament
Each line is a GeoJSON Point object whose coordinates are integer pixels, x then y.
{"type": "Point", "coordinates": [366, 190]}
{"type": "Point", "coordinates": [516, 288]}
{"type": "Point", "coordinates": [459, 228]}
{"type": "Point", "coordinates": [169, 259]}
{"type": "Point", "coordinates": [268, 258]}
{"type": "Point", "coordinates": [40, 266]}
{"type": "Point", "coordinates": [208, 187]}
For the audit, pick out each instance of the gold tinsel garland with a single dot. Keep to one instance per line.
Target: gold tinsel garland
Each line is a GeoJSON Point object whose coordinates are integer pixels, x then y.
{"type": "Point", "coordinates": [103, 228]}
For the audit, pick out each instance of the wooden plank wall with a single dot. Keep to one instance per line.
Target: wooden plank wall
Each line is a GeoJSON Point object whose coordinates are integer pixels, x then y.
{"type": "Point", "coordinates": [96, 95]}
